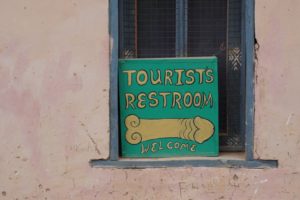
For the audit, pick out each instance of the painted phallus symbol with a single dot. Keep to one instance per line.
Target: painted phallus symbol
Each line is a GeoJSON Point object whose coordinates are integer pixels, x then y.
{"type": "Point", "coordinates": [196, 129]}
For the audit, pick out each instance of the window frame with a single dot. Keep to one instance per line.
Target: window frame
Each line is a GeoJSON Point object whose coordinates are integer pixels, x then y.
{"type": "Point", "coordinates": [247, 97]}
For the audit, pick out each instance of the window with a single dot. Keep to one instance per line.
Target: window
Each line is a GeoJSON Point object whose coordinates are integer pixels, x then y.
{"type": "Point", "coordinates": [245, 98]}
{"type": "Point", "coordinates": [192, 28]}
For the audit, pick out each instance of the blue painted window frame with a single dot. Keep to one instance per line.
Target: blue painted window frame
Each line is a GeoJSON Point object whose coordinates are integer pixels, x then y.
{"type": "Point", "coordinates": [247, 97]}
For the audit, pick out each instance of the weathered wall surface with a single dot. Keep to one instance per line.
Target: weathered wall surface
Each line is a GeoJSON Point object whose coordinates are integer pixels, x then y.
{"type": "Point", "coordinates": [54, 63]}
{"type": "Point", "coordinates": [277, 124]}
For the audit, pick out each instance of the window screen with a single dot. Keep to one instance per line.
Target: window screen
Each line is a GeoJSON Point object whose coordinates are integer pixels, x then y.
{"type": "Point", "coordinates": [156, 28]}
{"type": "Point", "coordinates": [148, 28]}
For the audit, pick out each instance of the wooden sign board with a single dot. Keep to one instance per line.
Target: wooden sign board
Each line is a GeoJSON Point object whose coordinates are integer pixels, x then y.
{"type": "Point", "coordinates": [169, 107]}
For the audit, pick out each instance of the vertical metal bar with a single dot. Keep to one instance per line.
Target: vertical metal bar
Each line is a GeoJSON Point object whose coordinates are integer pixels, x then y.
{"type": "Point", "coordinates": [113, 90]}
{"type": "Point", "coordinates": [136, 27]}
{"type": "Point", "coordinates": [178, 28]}
{"type": "Point", "coordinates": [249, 101]}
{"type": "Point", "coordinates": [121, 30]}
{"type": "Point", "coordinates": [227, 73]}
{"type": "Point", "coordinates": [243, 75]}
{"type": "Point", "coordinates": [185, 27]}
{"type": "Point", "coordinates": [181, 28]}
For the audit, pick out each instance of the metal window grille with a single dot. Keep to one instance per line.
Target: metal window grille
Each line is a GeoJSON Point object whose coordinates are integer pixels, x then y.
{"type": "Point", "coordinates": [170, 28]}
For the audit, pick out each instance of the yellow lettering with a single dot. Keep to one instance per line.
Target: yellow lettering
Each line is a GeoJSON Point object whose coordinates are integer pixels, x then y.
{"type": "Point", "coordinates": [179, 76]}
{"type": "Point", "coordinates": [168, 77]}
{"type": "Point", "coordinates": [183, 146]}
{"type": "Point", "coordinates": [129, 73]}
{"type": "Point", "coordinates": [189, 96]}
{"type": "Point", "coordinates": [169, 145]}
{"type": "Point", "coordinates": [153, 149]}
{"type": "Point", "coordinates": [193, 147]}
{"type": "Point", "coordinates": [207, 101]}
{"type": "Point", "coordinates": [197, 103]}
{"type": "Point", "coordinates": [209, 73]}
{"type": "Point", "coordinates": [160, 146]}
{"type": "Point", "coordinates": [129, 100]}
{"type": "Point", "coordinates": [158, 80]}
{"type": "Point", "coordinates": [145, 150]}
{"type": "Point", "coordinates": [139, 79]}
{"type": "Point", "coordinates": [176, 99]}
{"type": "Point", "coordinates": [164, 94]}
{"type": "Point", "coordinates": [200, 72]}
{"type": "Point", "coordinates": [152, 96]}
{"type": "Point", "coordinates": [190, 75]}
{"type": "Point", "coordinates": [141, 100]}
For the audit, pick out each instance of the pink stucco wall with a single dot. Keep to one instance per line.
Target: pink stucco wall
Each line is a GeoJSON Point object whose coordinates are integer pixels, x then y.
{"type": "Point", "coordinates": [54, 83]}
{"type": "Point", "coordinates": [277, 107]}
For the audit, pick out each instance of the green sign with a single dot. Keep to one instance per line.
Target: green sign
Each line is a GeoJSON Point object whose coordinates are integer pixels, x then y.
{"type": "Point", "coordinates": [169, 107]}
